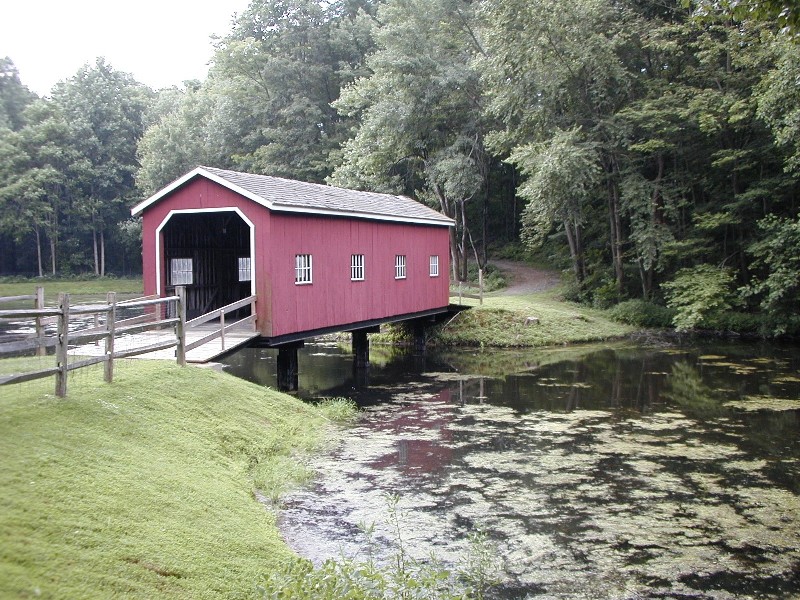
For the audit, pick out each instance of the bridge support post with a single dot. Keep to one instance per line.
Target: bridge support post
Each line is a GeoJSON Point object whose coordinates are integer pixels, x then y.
{"type": "Point", "coordinates": [360, 377]}
{"type": "Point", "coordinates": [287, 367]}
{"type": "Point", "coordinates": [418, 332]}
{"type": "Point", "coordinates": [360, 349]}
{"type": "Point", "coordinates": [361, 355]}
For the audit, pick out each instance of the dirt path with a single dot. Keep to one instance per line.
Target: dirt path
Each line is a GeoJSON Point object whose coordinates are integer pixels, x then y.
{"type": "Point", "coordinates": [524, 279]}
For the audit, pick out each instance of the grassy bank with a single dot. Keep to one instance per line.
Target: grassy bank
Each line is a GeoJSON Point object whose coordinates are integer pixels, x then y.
{"type": "Point", "coordinates": [530, 320]}
{"type": "Point", "coordinates": [77, 287]}
{"type": "Point", "coordinates": [146, 487]}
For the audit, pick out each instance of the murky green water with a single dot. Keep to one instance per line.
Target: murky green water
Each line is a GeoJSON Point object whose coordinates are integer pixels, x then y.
{"type": "Point", "coordinates": [619, 471]}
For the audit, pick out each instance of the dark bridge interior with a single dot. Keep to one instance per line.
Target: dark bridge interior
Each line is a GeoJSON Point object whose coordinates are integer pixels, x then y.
{"type": "Point", "coordinates": [214, 242]}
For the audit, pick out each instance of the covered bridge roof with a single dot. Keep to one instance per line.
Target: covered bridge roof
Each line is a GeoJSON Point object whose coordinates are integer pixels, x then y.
{"type": "Point", "coordinates": [287, 195]}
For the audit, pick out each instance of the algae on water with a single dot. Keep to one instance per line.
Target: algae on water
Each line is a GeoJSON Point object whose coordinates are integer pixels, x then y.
{"type": "Point", "coordinates": [657, 474]}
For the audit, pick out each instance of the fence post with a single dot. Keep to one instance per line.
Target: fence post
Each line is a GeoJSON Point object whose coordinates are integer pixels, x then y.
{"type": "Point", "coordinates": [62, 344]}
{"type": "Point", "coordinates": [180, 327]}
{"type": "Point", "coordinates": [222, 327]}
{"type": "Point", "coordinates": [111, 327]}
{"type": "Point", "coordinates": [39, 304]}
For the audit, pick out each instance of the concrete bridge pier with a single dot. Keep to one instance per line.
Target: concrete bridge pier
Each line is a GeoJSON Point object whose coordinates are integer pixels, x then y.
{"type": "Point", "coordinates": [361, 377]}
{"type": "Point", "coordinates": [361, 355]}
{"type": "Point", "coordinates": [361, 346]}
{"type": "Point", "coordinates": [287, 366]}
{"type": "Point", "coordinates": [288, 344]}
{"type": "Point", "coordinates": [360, 349]}
{"type": "Point", "coordinates": [418, 333]}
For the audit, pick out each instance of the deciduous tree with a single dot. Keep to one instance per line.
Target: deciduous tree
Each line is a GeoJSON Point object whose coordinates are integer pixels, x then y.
{"type": "Point", "coordinates": [420, 129]}
{"type": "Point", "coordinates": [105, 110]}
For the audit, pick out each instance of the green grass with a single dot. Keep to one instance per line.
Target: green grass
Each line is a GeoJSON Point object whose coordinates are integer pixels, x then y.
{"type": "Point", "coordinates": [505, 322]}
{"type": "Point", "coordinates": [83, 290]}
{"type": "Point", "coordinates": [25, 364]}
{"type": "Point", "coordinates": [146, 487]}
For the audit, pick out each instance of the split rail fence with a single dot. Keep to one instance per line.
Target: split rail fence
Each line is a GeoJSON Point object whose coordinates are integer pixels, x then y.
{"type": "Point", "coordinates": [107, 332]}
{"type": "Point", "coordinates": [220, 314]}
{"type": "Point", "coordinates": [461, 294]}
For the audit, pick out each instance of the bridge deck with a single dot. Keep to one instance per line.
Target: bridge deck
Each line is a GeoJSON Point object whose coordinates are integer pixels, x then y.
{"type": "Point", "coordinates": [203, 332]}
{"type": "Point", "coordinates": [234, 338]}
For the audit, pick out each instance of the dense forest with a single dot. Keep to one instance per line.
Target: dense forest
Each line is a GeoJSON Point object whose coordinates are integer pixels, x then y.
{"type": "Point", "coordinates": [650, 148]}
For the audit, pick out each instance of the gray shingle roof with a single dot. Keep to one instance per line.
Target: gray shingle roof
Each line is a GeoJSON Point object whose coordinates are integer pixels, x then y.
{"type": "Point", "coordinates": [296, 196]}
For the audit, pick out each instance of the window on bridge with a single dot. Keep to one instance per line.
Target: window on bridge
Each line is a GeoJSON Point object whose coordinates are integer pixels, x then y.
{"type": "Point", "coordinates": [357, 267]}
{"type": "Point", "coordinates": [181, 271]}
{"type": "Point", "coordinates": [302, 269]}
{"type": "Point", "coordinates": [434, 266]}
{"type": "Point", "coordinates": [244, 269]}
{"type": "Point", "coordinates": [400, 266]}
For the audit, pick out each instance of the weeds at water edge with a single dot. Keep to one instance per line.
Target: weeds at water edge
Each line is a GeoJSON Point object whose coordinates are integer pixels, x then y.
{"type": "Point", "coordinates": [402, 577]}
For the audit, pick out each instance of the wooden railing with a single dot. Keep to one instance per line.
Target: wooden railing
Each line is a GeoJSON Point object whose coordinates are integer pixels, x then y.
{"type": "Point", "coordinates": [461, 294]}
{"type": "Point", "coordinates": [38, 304]}
{"type": "Point", "coordinates": [223, 328]}
{"type": "Point", "coordinates": [108, 332]}
{"type": "Point", "coordinates": [457, 291]}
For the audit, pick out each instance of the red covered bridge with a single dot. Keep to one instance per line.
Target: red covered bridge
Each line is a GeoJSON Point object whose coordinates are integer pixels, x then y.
{"type": "Point", "coordinates": [318, 258]}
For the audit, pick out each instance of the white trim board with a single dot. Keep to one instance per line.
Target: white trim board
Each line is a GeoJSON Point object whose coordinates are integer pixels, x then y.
{"type": "Point", "coordinates": [253, 270]}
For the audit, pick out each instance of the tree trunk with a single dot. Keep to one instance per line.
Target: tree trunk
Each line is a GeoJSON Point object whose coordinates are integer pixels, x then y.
{"type": "Point", "coordinates": [615, 226]}
{"type": "Point", "coordinates": [463, 246]}
{"type": "Point", "coordinates": [102, 254]}
{"type": "Point", "coordinates": [39, 251]}
{"type": "Point", "coordinates": [486, 165]}
{"type": "Point", "coordinates": [52, 255]}
{"type": "Point", "coordinates": [51, 229]}
{"type": "Point", "coordinates": [575, 252]}
{"type": "Point", "coordinates": [454, 254]}
{"type": "Point", "coordinates": [94, 248]}
{"type": "Point", "coordinates": [447, 210]}
{"type": "Point", "coordinates": [581, 258]}
{"type": "Point", "coordinates": [655, 220]}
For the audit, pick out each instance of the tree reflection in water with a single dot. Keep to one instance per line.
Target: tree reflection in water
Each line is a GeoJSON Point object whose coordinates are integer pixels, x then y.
{"type": "Point", "coordinates": [613, 471]}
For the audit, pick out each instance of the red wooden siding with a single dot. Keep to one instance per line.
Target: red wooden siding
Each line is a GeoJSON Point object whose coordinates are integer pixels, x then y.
{"type": "Point", "coordinates": [332, 299]}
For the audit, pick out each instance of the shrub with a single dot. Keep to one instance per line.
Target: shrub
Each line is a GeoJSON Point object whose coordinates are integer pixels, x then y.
{"type": "Point", "coordinates": [765, 324]}
{"type": "Point", "coordinates": [776, 263]}
{"type": "Point", "coordinates": [698, 295]}
{"type": "Point", "coordinates": [493, 278]}
{"type": "Point", "coordinates": [605, 294]}
{"type": "Point", "coordinates": [640, 313]}
{"type": "Point", "coordinates": [738, 322]}
{"type": "Point", "coordinates": [571, 291]}
{"type": "Point", "coordinates": [338, 410]}
{"type": "Point", "coordinates": [512, 251]}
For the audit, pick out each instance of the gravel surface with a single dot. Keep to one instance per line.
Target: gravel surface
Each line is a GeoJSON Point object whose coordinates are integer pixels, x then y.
{"type": "Point", "coordinates": [524, 279]}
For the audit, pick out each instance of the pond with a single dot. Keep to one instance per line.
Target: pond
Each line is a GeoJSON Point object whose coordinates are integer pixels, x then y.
{"type": "Point", "coordinates": [614, 471]}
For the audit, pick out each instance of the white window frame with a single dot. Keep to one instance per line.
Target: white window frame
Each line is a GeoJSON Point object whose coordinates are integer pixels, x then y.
{"type": "Point", "coordinates": [303, 271]}
{"type": "Point", "coordinates": [181, 271]}
{"type": "Point", "coordinates": [434, 265]}
{"type": "Point", "coordinates": [244, 266]}
{"type": "Point", "coordinates": [357, 267]}
{"type": "Point", "coordinates": [400, 266]}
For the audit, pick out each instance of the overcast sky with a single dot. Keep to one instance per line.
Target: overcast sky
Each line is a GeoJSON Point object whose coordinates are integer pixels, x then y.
{"type": "Point", "coordinates": [160, 42]}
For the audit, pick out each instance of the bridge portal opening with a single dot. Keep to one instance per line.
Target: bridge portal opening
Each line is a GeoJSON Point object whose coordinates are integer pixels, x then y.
{"type": "Point", "coordinates": [210, 254]}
